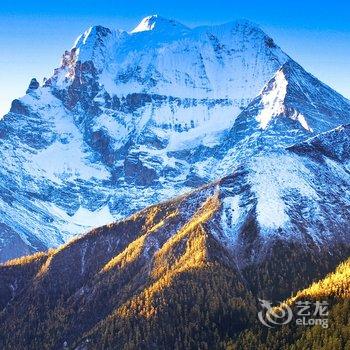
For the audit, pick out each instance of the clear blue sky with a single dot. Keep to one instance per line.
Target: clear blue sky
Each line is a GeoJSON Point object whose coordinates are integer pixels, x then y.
{"type": "Point", "coordinates": [34, 34]}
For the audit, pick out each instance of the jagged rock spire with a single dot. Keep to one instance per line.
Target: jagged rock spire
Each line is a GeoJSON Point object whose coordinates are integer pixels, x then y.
{"type": "Point", "coordinates": [33, 85]}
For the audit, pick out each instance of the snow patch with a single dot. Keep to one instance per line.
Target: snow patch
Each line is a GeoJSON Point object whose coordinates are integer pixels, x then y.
{"type": "Point", "coordinates": [58, 163]}
{"type": "Point", "coordinates": [82, 220]}
{"type": "Point", "coordinates": [273, 176]}
{"type": "Point", "coordinates": [273, 100]}
{"type": "Point", "coordinates": [153, 22]}
{"type": "Point", "coordinates": [148, 23]}
{"type": "Point", "coordinates": [231, 213]}
{"type": "Point", "coordinates": [273, 103]}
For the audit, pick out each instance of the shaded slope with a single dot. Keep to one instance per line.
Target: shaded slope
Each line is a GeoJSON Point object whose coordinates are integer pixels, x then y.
{"type": "Point", "coordinates": [334, 289]}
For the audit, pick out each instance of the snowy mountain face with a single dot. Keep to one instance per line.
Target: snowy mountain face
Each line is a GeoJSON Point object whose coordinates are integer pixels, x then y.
{"type": "Point", "coordinates": [134, 118]}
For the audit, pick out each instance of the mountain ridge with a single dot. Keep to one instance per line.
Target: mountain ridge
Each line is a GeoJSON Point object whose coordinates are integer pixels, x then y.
{"type": "Point", "coordinates": [117, 146]}
{"type": "Point", "coordinates": [139, 271]}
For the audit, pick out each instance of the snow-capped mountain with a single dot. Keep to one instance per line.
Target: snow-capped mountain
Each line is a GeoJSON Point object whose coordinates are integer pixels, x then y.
{"type": "Point", "coordinates": [133, 118]}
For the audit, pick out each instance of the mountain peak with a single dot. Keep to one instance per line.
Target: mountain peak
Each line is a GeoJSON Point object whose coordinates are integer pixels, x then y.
{"type": "Point", "coordinates": [156, 22]}
{"type": "Point", "coordinates": [94, 43]}
{"type": "Point", "coordinates": [91, 34]}
{"type": "Point", "coordinates": [33, 85]}
{"type": "Point", "coordinates": [274, 97]}
{"type": "Point", "coordinates": [299, 96]}
{"type": "Point", "coordinates": [241, 23]}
